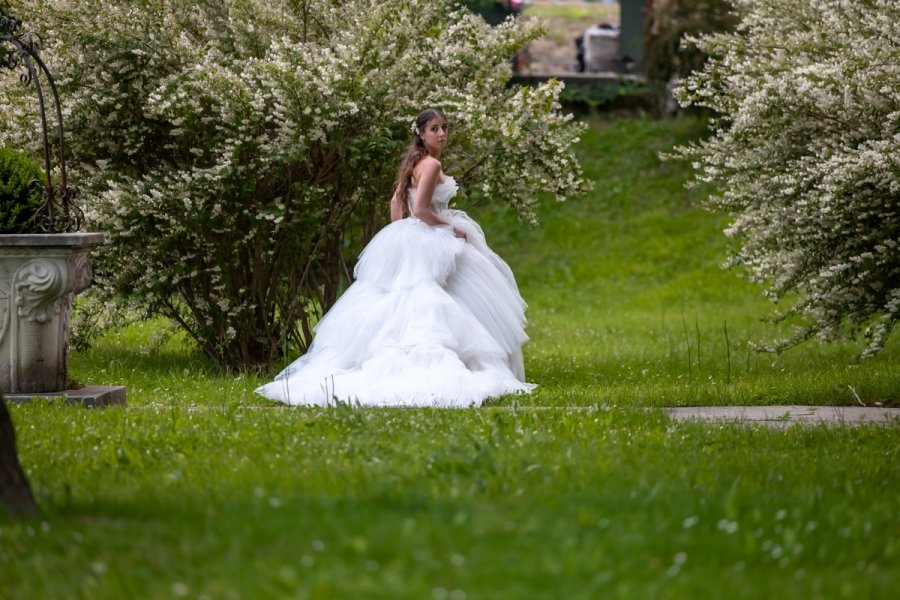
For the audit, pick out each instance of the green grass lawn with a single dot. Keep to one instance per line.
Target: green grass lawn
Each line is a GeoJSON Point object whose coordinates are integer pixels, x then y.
{"type": "Point", "coordinates": [629, 306]}
{"type": "Point", "coordinates": [200, 489]}
{"type": "Point", "coordinates": [564, 21]}
{"type": "Point", "coordinates": [595, 12]}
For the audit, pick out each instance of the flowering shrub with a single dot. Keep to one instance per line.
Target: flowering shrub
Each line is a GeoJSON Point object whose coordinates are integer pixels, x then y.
{"type": "Point", "coordinates": [806, 152]}
{"type": "Point", "coordinates": [240, 153]}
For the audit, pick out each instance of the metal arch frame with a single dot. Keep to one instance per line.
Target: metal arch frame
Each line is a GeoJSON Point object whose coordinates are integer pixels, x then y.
{"type": "Point", "coordinates": [54, 216]}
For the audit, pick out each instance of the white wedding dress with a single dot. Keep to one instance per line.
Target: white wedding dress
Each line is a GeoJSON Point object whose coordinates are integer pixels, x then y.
{"type": "Point", "coordinates": [431, 320]}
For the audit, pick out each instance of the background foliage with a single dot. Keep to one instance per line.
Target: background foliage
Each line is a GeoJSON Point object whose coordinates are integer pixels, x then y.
{"type": "Point", "coordinates": [240, 153]}
{"type": "Point", "coordinates": [807, 154]}
{"type": "Point", "coordinates": [667, 26]}
{"type": "Point", "coordinates": [18, 200]}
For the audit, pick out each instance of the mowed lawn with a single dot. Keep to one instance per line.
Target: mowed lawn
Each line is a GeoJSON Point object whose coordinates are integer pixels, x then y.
{"type": "Point", "coordinates": [581, 490]}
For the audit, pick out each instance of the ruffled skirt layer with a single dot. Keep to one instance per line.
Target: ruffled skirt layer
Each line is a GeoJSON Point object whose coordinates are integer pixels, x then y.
{"type": "Point", "coordinates": [431, 320]}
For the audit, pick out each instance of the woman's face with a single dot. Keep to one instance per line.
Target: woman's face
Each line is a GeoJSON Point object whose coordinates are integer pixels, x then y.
{"type": "Point", "coordinates": [435, 134]}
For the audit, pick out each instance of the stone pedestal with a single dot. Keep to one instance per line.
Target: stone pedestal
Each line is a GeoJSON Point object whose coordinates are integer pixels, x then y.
{"type": "Point", "coordinates": [40, 274]}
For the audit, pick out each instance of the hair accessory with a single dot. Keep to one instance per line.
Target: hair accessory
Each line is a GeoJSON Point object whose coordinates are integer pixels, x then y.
{"type": "Point", "coordinates": [415, 128]}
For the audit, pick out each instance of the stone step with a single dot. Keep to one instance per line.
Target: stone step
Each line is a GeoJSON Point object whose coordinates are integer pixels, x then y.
{"type": "Point", "coordinates": [89, 397]}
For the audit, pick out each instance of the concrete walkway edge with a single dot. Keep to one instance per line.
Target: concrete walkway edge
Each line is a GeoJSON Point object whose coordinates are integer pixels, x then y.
{"type": "Point", "coordinates": [788, 414]}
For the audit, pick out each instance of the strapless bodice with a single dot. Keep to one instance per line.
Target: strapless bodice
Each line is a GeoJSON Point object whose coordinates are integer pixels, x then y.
{"type": "Point", "coordinates": [440, 199]}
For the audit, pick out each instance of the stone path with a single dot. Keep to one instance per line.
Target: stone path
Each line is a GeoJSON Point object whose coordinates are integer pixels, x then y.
{"type": "Point", "coordinates": [785, 416]}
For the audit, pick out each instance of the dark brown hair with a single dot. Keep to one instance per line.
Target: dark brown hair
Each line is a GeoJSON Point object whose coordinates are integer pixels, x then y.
{"type": "Point", "coordinates": [415, 152]}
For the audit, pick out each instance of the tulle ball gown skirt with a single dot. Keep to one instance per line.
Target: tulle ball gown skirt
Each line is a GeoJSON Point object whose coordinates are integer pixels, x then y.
{"type": "Point", "coordinates": [431, 320]}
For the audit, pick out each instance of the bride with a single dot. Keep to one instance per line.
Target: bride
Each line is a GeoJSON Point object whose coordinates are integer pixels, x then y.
{"type": "Point", "coordinates": [434, 317]}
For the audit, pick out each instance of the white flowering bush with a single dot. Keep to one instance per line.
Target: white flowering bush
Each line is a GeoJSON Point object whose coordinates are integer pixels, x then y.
{"type": "Point", "coordinates": [806, 152]}
{"type": "Point", "coordinates": [240, 153]}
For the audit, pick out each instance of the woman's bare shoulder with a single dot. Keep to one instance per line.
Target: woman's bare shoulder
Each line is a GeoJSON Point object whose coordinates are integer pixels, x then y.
{"type": "Point", "coordinates": [429, 164]}
{"type": "Point", "coordinates": [431, 161]}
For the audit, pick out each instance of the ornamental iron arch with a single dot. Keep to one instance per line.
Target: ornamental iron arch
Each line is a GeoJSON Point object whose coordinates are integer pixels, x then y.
{"type": "Point", "coordinates": [20, 51]}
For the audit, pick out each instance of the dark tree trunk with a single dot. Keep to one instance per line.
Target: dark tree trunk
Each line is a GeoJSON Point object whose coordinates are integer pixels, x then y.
{"type": "Point", "coordinates": [15, 493]}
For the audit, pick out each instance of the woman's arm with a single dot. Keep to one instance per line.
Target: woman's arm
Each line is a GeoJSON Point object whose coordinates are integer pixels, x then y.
{"type": "Point", "coordinates": [428, 177]}
{"type": "Point", "coordinates": [396, 207]}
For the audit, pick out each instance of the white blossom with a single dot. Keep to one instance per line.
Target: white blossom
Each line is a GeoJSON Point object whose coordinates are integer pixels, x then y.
{"type": "Point", "coordinates": [806, 155]}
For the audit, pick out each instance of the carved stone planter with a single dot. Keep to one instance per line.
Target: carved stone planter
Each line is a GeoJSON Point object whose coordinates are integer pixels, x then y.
{"type": "Point", "coordinates": [40, 274]}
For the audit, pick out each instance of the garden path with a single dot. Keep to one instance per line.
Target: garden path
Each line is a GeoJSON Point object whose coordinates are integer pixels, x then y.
{"type": "Point", "coordinates": [787, 415]}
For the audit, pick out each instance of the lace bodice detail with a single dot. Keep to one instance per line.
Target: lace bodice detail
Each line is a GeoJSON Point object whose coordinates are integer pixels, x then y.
{"type": "Point", "coordinates": [440, 199]}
